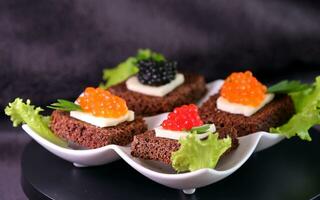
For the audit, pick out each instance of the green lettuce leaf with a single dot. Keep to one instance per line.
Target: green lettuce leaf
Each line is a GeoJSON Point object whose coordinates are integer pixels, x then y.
{"type": "Point", "coordinates": [128, 68]}
{"type": "Point", "coordinates": [195, 154]}
{"type": "Point", "coordinates": [120, 73]}
{"type": "Point", "coordinates": [307, 106]}
{"type": "Point", "coordinates": [24, 113]}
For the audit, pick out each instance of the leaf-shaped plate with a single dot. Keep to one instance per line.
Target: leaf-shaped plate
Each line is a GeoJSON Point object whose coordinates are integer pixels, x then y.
{"type": "Point", "coordinates": [157, 171]}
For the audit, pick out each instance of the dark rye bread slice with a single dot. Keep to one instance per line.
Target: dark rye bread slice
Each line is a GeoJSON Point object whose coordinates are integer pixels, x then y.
{"type": "Point", "coordinates": [148, 146]}
{"type": "Point", "coordinates": [274, 114]}
{"type": "Point", "coordinates": [190, 91]}
{"type": "Point", "coordinates": [90, 136]}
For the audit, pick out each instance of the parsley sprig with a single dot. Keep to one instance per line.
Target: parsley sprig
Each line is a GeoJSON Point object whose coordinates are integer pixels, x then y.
{"type": "Point", "coordinates": [285, 87]}
{"type": "Point", "coordinates": [65, 105]}
{"type": "Point", "coordinates": [200, 129]}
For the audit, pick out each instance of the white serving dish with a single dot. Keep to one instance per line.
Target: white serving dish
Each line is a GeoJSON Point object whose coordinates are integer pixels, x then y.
{"type": "Point", "coordinates": [157, 171]}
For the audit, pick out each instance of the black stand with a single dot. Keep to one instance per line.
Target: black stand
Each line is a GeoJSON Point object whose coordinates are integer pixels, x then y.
{"type": "Point", "coordinates": [289, 170]}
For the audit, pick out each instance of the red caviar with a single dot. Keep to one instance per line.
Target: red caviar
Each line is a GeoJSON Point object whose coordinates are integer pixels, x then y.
{"type": "Point", "coordinates": [102, 103]}
{"type": "Point", "coordinates": [183, 118]}
{"type": "Point", "coordinates": [243, 88]}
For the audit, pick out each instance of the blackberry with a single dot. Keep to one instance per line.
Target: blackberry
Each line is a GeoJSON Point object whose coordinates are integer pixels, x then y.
{"type": "Point", "coordinates": [156, 73]}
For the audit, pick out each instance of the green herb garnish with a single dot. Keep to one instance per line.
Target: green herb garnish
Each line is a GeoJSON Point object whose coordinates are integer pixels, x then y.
{"type": "Point", "coordinates": [25, 113]}
{"type": "Point", "coordinates": [286, 87]}
{"type": "Point", "coordinates": [147, 54]}
{"type": "Point", "coordinates": [65, 106]}
{"type": "Point", "coordinates": [128, 67]}
{"type": "Point", "coordinates": [200, 129]}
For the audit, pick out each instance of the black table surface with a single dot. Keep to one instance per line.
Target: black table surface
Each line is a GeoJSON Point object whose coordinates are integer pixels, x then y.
{"type": "Point", "coordinates": [288, 170]}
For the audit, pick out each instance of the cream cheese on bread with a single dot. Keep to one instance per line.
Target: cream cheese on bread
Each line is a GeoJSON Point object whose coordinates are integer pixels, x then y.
{"type": "Point", "coordinates": [102, 121]}
{"type": "Point", "coordinates": [176, 135]}
{"type": "Point", "coordinates": [235, 108]}
{"type": "Point", "coordinates": [133, 84]}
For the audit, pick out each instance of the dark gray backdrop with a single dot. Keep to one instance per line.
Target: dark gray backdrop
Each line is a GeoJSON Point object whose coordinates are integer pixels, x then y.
{"type": "Point", "coordinates": [52, 49]}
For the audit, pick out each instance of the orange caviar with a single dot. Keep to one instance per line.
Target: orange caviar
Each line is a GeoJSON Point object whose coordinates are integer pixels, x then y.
{"type": "Point", "coordinates": [243, 88]}
{"type": "Point", "coordinates": [102, 103]}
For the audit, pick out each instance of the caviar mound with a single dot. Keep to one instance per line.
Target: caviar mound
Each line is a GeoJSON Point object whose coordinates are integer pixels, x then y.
{"type": "Point", "coordinates": [102, 103]}
{"type": "Point", "coordinates": [89, 136]}
{"type": "Point", "coordinates": [156, 73]}
{"type": "Point", "coordinates": [243, 88]}
{"type": "Point", "coordinates": [193, 88]}
{"type": "Point", "coordinates": [183, 118]}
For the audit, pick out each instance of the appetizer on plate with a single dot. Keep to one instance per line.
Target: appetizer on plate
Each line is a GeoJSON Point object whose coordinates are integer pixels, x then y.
{"type": "Point", "coordinates": [155, 86]}
{"type": "Point", "coordinates": [96, 119]}
{"type": "Point", "coordinates": [245, 105]}
{"type": "Point", "coordinates": [101, 119]}
{"type": "Point", "coordinates": [184, 141]}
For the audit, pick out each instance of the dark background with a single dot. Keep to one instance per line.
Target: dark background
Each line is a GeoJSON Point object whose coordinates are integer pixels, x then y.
{"type": "Point", "coordinates": [52, 49]}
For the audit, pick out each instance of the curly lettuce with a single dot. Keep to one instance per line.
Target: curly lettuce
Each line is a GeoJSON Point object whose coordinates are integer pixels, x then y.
{"type": "Point", "coordinates": [195, 154]}
{"type": "Point", "coordinates": [128, 67]}
{"type": "Point", "coordinates": [307, 106]}
{"type": "Point", "coordinates": [25, 113]}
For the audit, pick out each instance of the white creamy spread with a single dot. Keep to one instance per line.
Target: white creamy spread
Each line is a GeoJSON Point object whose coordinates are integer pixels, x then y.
{"type": "Point", "coordinates": [176, 135]}
{"type": "Point", "coordinates": [235, 108]}
{"type": "Point", "coordinates": [133, 84]}
{"type": "Point", "coordinates": [102, 121]}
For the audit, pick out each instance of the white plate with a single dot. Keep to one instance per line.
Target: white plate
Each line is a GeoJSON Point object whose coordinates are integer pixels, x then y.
{"type": "Point", "coordinates": [157, 171]}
